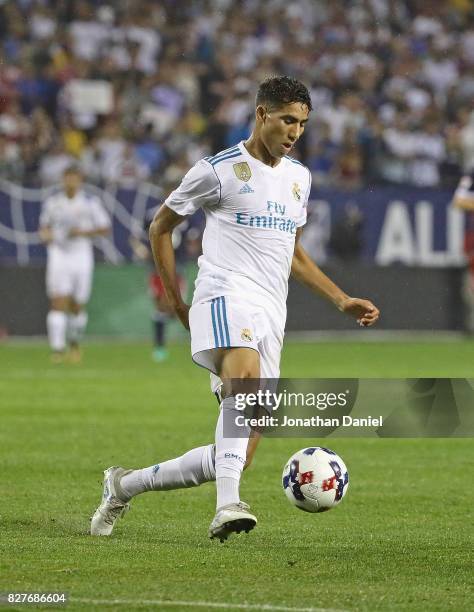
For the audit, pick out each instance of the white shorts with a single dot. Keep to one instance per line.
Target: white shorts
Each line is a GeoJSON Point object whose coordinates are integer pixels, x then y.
{"type": "Point", "coordinates": [226, 322]}
{"type": "Point", "coordinates": [69, 276]}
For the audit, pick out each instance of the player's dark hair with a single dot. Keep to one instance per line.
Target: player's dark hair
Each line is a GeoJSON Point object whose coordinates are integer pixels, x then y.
{"type": "Point", "coordinates": [73, 169]}
{"type": "Point", "coordinates": [280, 90]}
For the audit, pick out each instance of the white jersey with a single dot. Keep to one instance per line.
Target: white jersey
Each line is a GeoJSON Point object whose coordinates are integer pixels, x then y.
{"type": "Point", "coordinates": [62, 214]}
{"type": "Point", "coordinates": [252, 213]}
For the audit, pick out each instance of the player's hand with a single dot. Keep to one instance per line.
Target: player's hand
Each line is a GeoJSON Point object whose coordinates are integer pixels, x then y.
{"type": "Point", "coordinates": [46, 235]}
{"type": "Point", "coordinates": [182, 312]}
{"type": "Point", "coordinates": [363, 310]}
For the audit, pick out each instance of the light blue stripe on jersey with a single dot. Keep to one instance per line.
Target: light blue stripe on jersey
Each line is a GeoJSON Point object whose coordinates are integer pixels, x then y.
{"type": "Point", "coordinates": [224, 312]}
{"type": "Point", "coordinates": [216, 161]}
{"type": "Point", "coordinates": [295, 161]}
{"type": "Point", "coordinates": [214, 327]}
{"type": "Point", "coordinates": [225, 152]}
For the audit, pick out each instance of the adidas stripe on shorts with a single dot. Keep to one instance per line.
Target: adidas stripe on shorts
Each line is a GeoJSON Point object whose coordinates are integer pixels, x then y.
{"type": "Point", "coordinates": [227, 322]}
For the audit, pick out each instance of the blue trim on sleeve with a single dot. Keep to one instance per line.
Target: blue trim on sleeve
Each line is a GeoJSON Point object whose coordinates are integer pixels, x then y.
{"type": "Point", "coordinates": [218, 180]}
{"type": "Point", "coordinates": [238, 154]}
{"type": "Point", "coordinates": [295, 161]}
{"type": "Point", "coordinates": [224, 152]}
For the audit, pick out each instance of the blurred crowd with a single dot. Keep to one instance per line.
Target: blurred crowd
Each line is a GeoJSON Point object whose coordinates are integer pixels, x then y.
{"type": "Point", "coordinates": [139, 90]}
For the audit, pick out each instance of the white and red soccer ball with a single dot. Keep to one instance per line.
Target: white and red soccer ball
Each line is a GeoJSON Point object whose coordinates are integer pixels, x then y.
{"type": "Point", "coordinates": [315, 479]}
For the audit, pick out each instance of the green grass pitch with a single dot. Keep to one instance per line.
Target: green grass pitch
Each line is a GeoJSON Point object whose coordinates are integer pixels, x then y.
{"type": "Point", "coordinates": [401, 539]}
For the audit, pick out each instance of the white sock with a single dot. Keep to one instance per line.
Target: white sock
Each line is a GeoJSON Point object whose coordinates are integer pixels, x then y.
{"type": "Point", "coordinates": [231, 453]}
{"type": "Point", "coordinates": [190, 470]}
{"type": "Point", "coordinates": [56, 322]}
{"type": "Point", "coordinates": [76, 326]}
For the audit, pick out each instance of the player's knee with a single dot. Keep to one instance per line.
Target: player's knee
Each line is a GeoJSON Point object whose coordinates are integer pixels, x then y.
{"type": "Point", "coordinates": [75, 308]}
{"type": "Point", "coordinates": [59, 303]}
{"type": "Point", "coordinates": [247, 371]}
{"type": "Point", "coordinates": [248, 368]}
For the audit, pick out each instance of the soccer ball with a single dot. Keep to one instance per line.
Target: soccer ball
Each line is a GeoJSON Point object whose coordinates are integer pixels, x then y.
{"type": "Point", "coordinates": [315, 479]}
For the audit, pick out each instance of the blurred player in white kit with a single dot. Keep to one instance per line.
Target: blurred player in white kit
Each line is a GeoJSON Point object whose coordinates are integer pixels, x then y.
{"type": "Point", "coordinates": [68, 222]}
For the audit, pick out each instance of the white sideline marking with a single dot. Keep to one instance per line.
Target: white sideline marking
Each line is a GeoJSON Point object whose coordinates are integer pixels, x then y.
{"type": "Point", "coordinates": [198, 604]}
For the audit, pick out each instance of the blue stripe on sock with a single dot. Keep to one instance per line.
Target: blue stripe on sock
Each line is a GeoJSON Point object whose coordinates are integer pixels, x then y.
{"type": "Point", "coordinates": [215, 162]}
{"type": "Point", "coordinates": [224, 152]}
{"type": "Point", "coordinates": [213, 314]}
{"type": "Point", "coordinates": [224, 312]}
{"type": "Point", "coordinates": [219, 322]}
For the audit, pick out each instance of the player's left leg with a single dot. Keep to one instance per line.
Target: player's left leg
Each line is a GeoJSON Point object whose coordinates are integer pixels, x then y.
{"type": "Point", "coordinates": [77, 322]}
{"type": "Point", "coordinates": [194, 468]}
{"type": "Point", "coordinates": [160, 318]}
{"type": "Point", "coordinates": [191, 469]}
{"type": "Point", "coordinates": [78, 318]}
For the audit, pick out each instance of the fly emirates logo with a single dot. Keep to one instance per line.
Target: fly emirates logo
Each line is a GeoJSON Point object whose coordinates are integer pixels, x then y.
{"type": "Point", "coordinates": [274, 219]}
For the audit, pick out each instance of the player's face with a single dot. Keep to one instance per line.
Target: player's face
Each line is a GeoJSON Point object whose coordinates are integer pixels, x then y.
{"type": "Point", "coordinates": [281, 128]}
{"type": "Point", "coordinates": [72, 182]}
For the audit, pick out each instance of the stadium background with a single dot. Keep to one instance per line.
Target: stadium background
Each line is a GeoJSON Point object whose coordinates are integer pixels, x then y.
{"type": "Point", "coordinates": [137, 92]}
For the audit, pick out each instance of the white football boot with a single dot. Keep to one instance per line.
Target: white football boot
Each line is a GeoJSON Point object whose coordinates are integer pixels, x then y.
{"type": "Point", "coordinates": [232, 518]}
{"type": "Point", "coordinates": [113, 504]}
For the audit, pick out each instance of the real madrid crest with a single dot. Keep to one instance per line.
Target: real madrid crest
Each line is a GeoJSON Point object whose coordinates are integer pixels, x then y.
{"type": "Point", "coordinates": [296, 192]}
{"type": "Point", "coordinates": [242, 171]}
{"type": "Point", "coordinates": [246, 335]}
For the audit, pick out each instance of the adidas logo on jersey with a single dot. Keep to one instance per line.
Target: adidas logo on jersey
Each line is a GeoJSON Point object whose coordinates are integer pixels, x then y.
{"type": "Point", "coordinates": [246, 189]}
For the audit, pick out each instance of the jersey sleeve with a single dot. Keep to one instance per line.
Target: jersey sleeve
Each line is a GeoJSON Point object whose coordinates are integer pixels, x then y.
{"type": "Point", "coordinates": [199, 188]}
{"type": "Point", "coordinates": [465, 188]}
{"type": "Point", "coordinates": [304, 210]}
{"type": "Point", "coordinates": [99, 215]}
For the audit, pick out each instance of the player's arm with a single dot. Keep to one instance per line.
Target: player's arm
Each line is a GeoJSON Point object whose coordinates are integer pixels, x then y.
{"type": "Point", "coordinates": [45, 234]}
{"type": "Point", "coordinates": [161, 230]}
{"type": "Point", "coordinates": [199, 188]}
{"type": "Point", "coordinates": [45, 230]}
{"type": "Point", "coordinates": [139, 249]}
{"type": "Point", "coordinates": [464, 195]}
{"type": "Point", "coordinates": [92, 233]}
{"type": "Point", "coordinates": [305, 271]}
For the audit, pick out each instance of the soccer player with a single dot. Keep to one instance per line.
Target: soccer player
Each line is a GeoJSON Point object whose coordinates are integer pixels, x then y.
{"type": "Point", "coordinates": [162, 310]}
{"type": "Point", "coordinates": [464, 200]}
{"type": "Point", "coordinates": [254, 197]}
{"type": "Point", "coordinates": [68, 222]}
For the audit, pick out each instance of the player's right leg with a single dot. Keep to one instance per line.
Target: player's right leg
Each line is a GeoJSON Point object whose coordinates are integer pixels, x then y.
{"type": "Point", "coordinates": [82, 275]}
{"type": "Point", "coordinates": [56, 324]}
{"type": "Point", "coordinates": [77, 322]}
{"type": "Point", "coordinates": [189, 470]}
{"type": "Point", "coordinates": [59, 285]}
{"type": "Point", "coordinates": [160, 319]}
